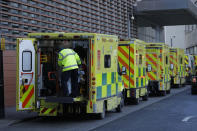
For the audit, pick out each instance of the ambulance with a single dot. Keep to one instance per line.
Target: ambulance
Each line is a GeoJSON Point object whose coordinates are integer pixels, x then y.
{"type": "Point", "coordinates": [189, 67]}
{"type": "Point", "coordinates": [177, 67]}
{"type": "Point", "coordinates": [131, 54]}
{"type": "Point", "coordinates": [38, 74]}
{"type": "Point", "coordinates": [157, 63]}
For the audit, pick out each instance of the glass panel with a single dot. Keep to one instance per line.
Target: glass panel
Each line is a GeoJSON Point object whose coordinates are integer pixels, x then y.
{"type": "Point", "coordinates": [107, 61]}
{"type": "Point", "coordinates": [27, 61]}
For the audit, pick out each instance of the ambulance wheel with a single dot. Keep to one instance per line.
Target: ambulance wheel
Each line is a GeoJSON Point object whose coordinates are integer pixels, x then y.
{"type": "Point", "coordinates": [163, 93]}
{"type": "Point", "coordinates": [120, 106]}
{"type": "Point", "coordinates": [136, 101]}
{"type": "Point", "coordinates": [102, 114]}
{"type": "Point", "coordinates": [193, 92]}
{"type": "Point", "coordinates": [168, 91]}
{"type": "Point", "coordinates": [145, 98]}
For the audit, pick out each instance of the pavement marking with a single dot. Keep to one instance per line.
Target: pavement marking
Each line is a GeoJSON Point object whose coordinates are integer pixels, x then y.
{"type": "Point", "coordinates": [186, 119]}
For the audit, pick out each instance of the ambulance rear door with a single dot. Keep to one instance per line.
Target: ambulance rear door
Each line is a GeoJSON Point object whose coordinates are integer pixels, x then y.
{"type": "Point", "coordinates": [26, 61]}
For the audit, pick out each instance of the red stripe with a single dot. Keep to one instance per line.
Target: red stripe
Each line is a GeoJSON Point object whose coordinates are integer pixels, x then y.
{"type": "Point", "coordinates": [127, 77]}
{"type": "Point", "coordinates": [150, 76]}
{"type": "Point", "coordinates": [160, 65]}
{"type": "Point", "coordinates": [125, 54]}
{"type": "Point", "coordinates": [125, 64]}
{"type": "Point", "coordinates": [171, 62]}
{"type": "Point", "coordinates": [174, 59]}
{"type": "Point", "coordinates": [151, 60]}
{"type": "Point", "coordinates": [28, 98]}
{"type": "Point", "coordinates": [125, 85]}
{"type": "Point", "coordinates": [155, 55]}
{"type": "Point", "coordinates": [44, 110]}
{"type": "Point", "coordinates": [51, 112]}
{"type": "Point", "coordinates": [132, 50]}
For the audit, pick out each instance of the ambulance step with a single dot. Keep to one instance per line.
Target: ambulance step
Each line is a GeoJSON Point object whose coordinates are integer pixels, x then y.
{"type": "Point", "coordinates": [60, 99]}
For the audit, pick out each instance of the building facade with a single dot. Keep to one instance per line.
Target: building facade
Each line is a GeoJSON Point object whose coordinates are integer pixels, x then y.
{"type": "Point", "coordinates": [20, 17]}
{"type": "Point", "coordinates": [191, 39]}
{"type": "Point", "coordinates": [151, 34]}
{"type": "Point", "coordinates": [175, 36]}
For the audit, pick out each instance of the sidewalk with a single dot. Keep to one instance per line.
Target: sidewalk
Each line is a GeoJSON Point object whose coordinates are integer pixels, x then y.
{"type": "Point", "coordinates": [12, 116]}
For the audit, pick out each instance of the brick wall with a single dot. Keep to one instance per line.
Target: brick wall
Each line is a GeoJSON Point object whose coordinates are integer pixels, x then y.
{"type": "Point", "coordinates": [9, 60]}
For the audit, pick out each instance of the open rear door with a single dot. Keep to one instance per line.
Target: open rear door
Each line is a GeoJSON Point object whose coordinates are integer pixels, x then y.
{"type": "Point", "coordinates": [25, 74]}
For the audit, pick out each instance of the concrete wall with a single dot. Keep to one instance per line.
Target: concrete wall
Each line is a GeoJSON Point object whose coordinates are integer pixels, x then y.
{"type": "Point", "coordinates": [179, 32]}
{"type": "Point", "coordinates": [150, 34]}
{"type": "Point", "coordinates": [191, 38]}
{"type": "Point", "coordinates": [9, 63]}
{"type": "Point", "coordinates": [191, 41]}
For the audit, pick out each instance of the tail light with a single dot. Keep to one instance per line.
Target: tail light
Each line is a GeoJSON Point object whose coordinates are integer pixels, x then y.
{"type": "Point", "coordinates": [93, 83]}
{"type": "Point", "coordinates": [93, 78]}
{"type": "Point", "coordinates": [46, 36]}
{"type": "Point", "coordinates": [194, 80]}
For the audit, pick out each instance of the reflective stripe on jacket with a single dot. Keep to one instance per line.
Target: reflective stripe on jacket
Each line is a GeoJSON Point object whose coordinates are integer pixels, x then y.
{"type": "Point", "coordinates": [68, 59]}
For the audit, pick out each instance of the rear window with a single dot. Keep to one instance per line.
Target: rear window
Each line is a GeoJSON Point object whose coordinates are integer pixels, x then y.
{"type": "Point", "coordinates": [107, 60]}
{"type": "Point", "coordinates": [166, 59]}
{"type": "Point", "coordinates": [140, 59]}
{"type": "Point", "coordinates": [181, 60]}
{"type": "Point", "coordinates": [27, 61]}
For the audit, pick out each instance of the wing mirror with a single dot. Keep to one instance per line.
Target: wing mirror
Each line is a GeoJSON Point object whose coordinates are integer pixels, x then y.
{"type": "Point", "coordinates": [149, 68]}
{"type": "Point", "coordinates": [171, 66]}
{"type": "Point", "coordinates": [124, 70]}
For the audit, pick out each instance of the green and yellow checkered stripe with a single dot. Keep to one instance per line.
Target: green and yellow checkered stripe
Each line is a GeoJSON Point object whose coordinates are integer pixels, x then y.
{"type": "Point", "coordinates": [108, 84]}
{"type": "Point", "coordinates": [141, 79]}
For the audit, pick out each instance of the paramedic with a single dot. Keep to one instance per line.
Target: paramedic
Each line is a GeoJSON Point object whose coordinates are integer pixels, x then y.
{"type": "Point", "coordinates": [69, 60]}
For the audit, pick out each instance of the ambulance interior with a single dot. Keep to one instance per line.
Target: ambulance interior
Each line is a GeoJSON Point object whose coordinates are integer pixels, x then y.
{"type": "Point", "coordinates": [49, 73]}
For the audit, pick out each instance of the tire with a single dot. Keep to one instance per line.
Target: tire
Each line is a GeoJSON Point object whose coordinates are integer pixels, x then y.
{"type": "Point", "coordinates": [145, 98]}
{"type": "Point", "coordinates": [163, 93]}
{"type": "Point", "coordinates": [193, 92]}
{"type": "Point", "coordinates": [102, 114]}
{"type": "Point", "coordinates": [120, 106]}
{"type": "Point", "coordinates": [168, 91]}
{"type": "Point", "coordinates": [136, 101]}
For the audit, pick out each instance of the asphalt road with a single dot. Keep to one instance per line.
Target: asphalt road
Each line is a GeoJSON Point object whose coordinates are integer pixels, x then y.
{"type": "Point", "coordinates": [158, 113]}
{"type": "Point", "coordinates": [177, 113]}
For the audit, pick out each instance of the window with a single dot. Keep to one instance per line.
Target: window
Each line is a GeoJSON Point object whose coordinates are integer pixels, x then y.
{"type": "Point", "coordinates": [107, 60]}
{"type": "Point", "coordinates": [26, 61]}
{"type": "Point", "coordinates": [140, 59]}
{"type": "Point", "coordinates": [25, 20]}
{"type": "Point", "coordinates": [181, 60]}
{"type": "Point", "coordinates": [166, 60]}
{"type": "Point", "coordinates": [24, 13]}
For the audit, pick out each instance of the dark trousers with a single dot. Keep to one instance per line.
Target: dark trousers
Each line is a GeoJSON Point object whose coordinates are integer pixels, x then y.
{"type": "Point", "coordinates": [73, 74]}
